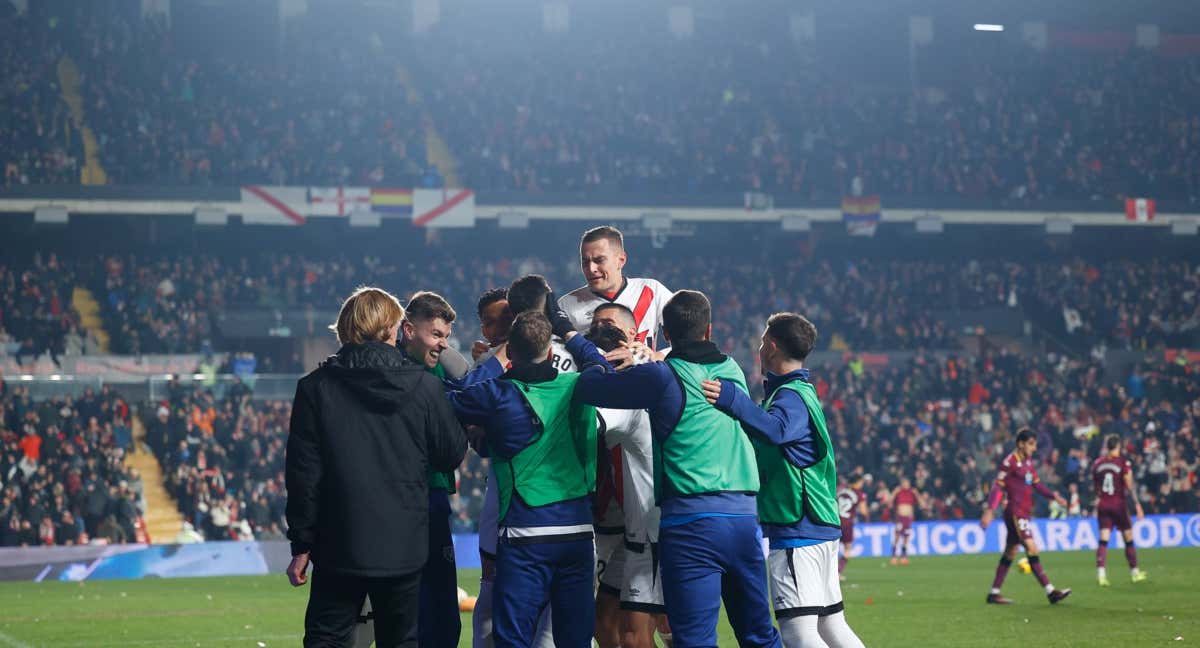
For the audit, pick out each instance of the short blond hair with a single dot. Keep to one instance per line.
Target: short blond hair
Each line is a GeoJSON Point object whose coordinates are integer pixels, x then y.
{"type": "Point", "coordinates": [367, 315]}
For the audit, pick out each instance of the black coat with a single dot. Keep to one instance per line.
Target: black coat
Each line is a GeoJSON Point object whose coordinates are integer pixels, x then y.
{"type": "Point", "coordinates": [367, 427]}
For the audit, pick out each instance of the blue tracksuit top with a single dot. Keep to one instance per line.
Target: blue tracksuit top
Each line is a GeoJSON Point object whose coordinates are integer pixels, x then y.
{"type": "Point", "coordinates": [498, 407]}
{"type": "Point", "coordinates": [654, 387]}
{"type": "Point", "coordinates": [785, 424]}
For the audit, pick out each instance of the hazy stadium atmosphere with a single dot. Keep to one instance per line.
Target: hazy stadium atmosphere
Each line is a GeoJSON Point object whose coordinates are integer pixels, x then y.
{"type": "Point", "coordinates": [951, 249]}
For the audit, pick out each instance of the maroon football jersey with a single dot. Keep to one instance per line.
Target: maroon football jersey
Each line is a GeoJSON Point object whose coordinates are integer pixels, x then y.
{"type": "Point", "coordinates": [1108, 479]}
{"type": "Point", "coordinates": [848, 499]}
{"type": "Point", "coordinates": [1018, 477]}
{"type": "Point", "coordinates": [905, 496]}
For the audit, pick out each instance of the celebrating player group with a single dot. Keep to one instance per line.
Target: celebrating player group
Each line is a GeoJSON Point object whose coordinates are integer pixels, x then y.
{"type": "Point", "coordinates": [632, 479]}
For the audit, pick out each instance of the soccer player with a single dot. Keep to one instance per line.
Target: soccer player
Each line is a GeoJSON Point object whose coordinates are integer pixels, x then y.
{"type": "Point", "coordinates": [543, 449]}
{"type": "Point", "coordinates": [705, 480]}
{"type": "Point", "coordinates": [495, 319]}
{"type": "Point", "coordinates": [1018, 480]}
{"type": "Point", "coordinates": [426, 329]}
{"type": "Point", "coordinates": [638, 584]}
{"type": "Point", "coordinates": [903, 502]}
{"type": "Point", "coordinates": [602, 259]}
{"type": "Point", "coordinates": [1112, 479]}
{"type": "Point", "coordinates": [797, 501]}
{"type": "Point", "coordinates": [496, 316]}
{"type": "Point", "coordinates": [852, 504]}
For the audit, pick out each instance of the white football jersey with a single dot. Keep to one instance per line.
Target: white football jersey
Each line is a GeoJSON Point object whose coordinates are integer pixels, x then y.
{"type": "Point", "coordinates": [645, 297]}
{"type": "Point", "coordinates": [630, 429]}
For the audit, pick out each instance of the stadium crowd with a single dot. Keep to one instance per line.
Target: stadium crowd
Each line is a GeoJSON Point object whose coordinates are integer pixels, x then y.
{"type": "Point", "coordinates": [538, 114]}
{"type": "Point", "coordinates": [166, 304]}
{"type": "Point", "coordinates": [38, 143]}
{"type": "Point", "coordinates": [36, 315]}
{"type": "Point", "coordinates": [222, 459]}
{"type": "Point", "coordinates": [63, 478]}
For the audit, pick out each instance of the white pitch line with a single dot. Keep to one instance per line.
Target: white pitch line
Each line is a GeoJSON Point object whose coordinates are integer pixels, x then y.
{"type": "Point", "coordinates": [13, 642]}
{"type": "Point", "coordinates": [203, 641]}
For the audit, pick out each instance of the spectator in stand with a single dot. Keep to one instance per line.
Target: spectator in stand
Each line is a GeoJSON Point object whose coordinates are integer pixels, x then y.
{"type": "Point", "coordinates": [62, 478]}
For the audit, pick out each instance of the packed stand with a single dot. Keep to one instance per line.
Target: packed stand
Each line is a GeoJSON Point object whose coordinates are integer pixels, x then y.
{"type": "Point", "coordinates": [36, 313]}
{"type": "Point", "coordinates": [63, 478]}
{"type": "Point", "coordinates": [170, 304]}
{"type": "Point", "coordinates": [222, 460]}
{"type": "Point", "coordinates": [327, 115]}
{"type": "Point", "coordinates": [719, 113]}
{"type": "Point", "coordinates": [541, 115]}
{"type": "Point", "coordinates": [38, 142]}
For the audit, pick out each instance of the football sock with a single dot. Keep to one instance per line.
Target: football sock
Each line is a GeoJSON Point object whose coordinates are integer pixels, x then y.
{"type": "Point", "coordinates": [1102, 572]}
{"type": "Point", "coordinates": [801, 632]}
{"type": "Point", "coordinates": [1001, 572]}
{"type": "Point", "coordinates": [1101, 555]}
{"type": "Point", "coordinates": [1035, 562]}
{"type": "Point", "coordinates": [837, 633]}
{"type": "Point", "coordinates": [481, 618]}
{"type": "Point", "coordinates": [1131, 555]}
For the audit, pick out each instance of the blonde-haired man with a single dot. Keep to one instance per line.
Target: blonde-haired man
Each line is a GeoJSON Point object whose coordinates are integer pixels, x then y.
{"type": "Point", "coordinates": [365, 427]}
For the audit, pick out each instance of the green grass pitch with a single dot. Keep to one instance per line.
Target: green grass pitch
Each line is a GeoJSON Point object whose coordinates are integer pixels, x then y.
{"type": "Point", "coordinates": [933, 602]}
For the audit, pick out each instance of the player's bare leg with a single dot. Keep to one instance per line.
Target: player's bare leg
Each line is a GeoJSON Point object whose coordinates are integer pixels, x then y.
{"type": "Point", "coordinates": [608, 623]}
{"type": "Point", "coordinates": [1102, 557]}
{"type": "Point", "coordinates": [1035, 563]}
{"type": "Point", "coordinates": [664, 630]}
{"type": "Point", "coordinates": [1006, 559]}
{"type": "Point", "coordinates": [1131, 557]}
{"type": "Point", "coordinates": [637, 629]}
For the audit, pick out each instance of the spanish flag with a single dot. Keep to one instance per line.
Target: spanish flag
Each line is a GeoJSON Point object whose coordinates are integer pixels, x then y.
{"type": "Point", "coordinates": [392, 202]}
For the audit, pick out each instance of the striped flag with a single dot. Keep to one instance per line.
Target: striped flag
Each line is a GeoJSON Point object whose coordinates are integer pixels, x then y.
{"type": "Point", "coordinates": [392, 202]}
{"type": "Point", "coordinates": [861, 215]}
{"type": "Point", "coordinates": [1139, 209]}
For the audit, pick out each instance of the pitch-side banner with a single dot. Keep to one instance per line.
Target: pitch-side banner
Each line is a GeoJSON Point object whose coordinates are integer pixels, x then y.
{"type": "Point", "coordinates": [874, 539]}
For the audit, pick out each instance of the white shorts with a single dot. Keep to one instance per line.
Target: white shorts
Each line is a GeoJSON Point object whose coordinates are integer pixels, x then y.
{"type": "Point", "coordinates": [804, 580]}
{"type": "Point", "coordinates": [642, 589]}
{"type": "Point", "coordinates": [610, 562]}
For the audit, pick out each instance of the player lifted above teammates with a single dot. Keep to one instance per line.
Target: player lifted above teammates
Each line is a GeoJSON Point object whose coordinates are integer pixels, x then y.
{"type": "Point", "coordinates": [1112, 479]}
{"type": "Point", "coordinates": [705, 480]}
{"type": "Point", "coordinates": [797, 500]}
{"type": "Point", "coordinates": [903, 501]}
{"type": "Point", "coordinates": [1018, 480]}
{"type": "Point", "coordinates": [852, 505]}
{"type": "Point", "coordinates": [602, 259]}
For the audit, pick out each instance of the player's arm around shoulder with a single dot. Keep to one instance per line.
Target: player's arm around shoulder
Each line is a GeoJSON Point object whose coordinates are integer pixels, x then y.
{"type": "Point", "coordinates": [639, 387]}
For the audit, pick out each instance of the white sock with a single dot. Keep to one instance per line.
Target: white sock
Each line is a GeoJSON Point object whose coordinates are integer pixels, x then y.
{"type": "Point", "coordinates": [995, 590]}
{"type": "Point", "coordinates": [1102, 572]}
{"type": "Point", "coordinates": [481, 619]}
{"type": "Point", "coordinates": [1133, 570]}
{"type": "Point", "coordinates": [837, 633]}
{"type": "Point", "coordinates": [801, 632]}
{"type": "Point", "coordinates": [1049, 587]}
